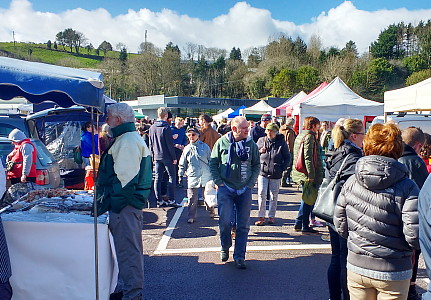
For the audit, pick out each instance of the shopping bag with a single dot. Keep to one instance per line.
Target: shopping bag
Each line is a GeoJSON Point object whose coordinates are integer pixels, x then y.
{"type": "Point", "coordinates": [77, 155]}
{"type": "Point", "coordinates": [328, 195]}
{"type": "Point", "coordinates": [327, 200]}
{"type": "Point", "coordinates": [210, 194]}
{"type": "Point", "coordinates": [309, 193]}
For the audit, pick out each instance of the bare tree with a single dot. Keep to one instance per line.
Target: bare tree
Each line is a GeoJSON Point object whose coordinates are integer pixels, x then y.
{"type": "Point", "coordinates": [190, 49]}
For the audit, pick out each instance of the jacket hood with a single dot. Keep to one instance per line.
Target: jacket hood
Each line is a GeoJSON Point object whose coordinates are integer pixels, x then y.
{"type": "Point", "coordinates": [161, 123]}
{"type": "Point", "coordinates": [379, 172]}
{"type": "Point", "coordinates": [16, 135]}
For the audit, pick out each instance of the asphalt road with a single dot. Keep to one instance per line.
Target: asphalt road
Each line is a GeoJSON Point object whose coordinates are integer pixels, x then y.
{"type": "Point", "coordinates": [182, 260]}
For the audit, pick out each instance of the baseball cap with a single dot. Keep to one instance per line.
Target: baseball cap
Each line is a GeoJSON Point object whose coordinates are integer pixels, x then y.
{"type": "Point", "coordinates": [266, 117]}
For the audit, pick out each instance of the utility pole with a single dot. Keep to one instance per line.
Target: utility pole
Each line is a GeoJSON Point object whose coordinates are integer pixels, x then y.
{"type": "Point", "coordinates": [13, 35]}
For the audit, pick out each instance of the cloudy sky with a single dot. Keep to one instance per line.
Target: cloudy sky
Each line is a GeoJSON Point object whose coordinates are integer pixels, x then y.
{"type": "Point", "coordinates": [222, 24]}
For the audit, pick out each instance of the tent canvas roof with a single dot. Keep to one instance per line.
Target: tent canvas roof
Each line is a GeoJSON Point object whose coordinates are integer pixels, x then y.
{"type": "Point", "coordinates": [223, 114]}
{"type": "Point", "coordinates": [416, 97]}
{"type": "Point", "coordinates": [38, 82]}
{"type": "Point", "coordinates": [236, 112]}
{"type": "Point", "coordinates": [294, 105]}
{"type": "Point", "coordinates": [260, 107]}
{"type": "Point", "coordinates": [292, 99]}
{"type": "Point", "coordinates": [337, 100]}
{"type": "Point", "coordinates": [281, 110]}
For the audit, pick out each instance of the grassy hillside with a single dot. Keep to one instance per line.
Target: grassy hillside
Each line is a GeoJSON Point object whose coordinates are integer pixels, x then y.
{"type": "Point", "coordinates": [41, 53]}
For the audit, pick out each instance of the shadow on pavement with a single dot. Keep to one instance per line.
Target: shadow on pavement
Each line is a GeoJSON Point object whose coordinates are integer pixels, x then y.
{"type": "Point", "coordinates": [184, 277]}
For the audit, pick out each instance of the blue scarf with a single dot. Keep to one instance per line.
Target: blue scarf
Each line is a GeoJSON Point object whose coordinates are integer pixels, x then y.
{"type": "Point", "coordinates": [240, 151]}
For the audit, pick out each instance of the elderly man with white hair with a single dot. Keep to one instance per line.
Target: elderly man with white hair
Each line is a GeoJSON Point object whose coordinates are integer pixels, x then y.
{"type": "Point", "coordinates": [234, 167]}
{"type": "Point", "coordinates": [123, 187]}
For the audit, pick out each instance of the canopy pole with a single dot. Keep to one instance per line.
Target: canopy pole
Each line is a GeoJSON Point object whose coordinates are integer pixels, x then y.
{"type": "Point", "coordinates": [96, 239]}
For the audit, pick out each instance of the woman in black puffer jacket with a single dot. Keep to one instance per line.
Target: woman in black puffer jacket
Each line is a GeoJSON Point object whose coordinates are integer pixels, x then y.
{"type": "Point", "coordinates": [274, 159]}
{"type": "Point", "coordinates": [347, 145]}
{"type": "Point", "coordinates": [377, 211]}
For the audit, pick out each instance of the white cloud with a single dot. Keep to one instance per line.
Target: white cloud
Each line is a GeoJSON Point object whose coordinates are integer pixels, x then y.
{"type": "Point", "coordinates": [243, 26]}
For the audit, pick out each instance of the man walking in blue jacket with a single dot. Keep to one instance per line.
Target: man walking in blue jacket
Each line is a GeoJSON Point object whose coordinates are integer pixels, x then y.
{"type": "Point", "coordinates": [163, 150]}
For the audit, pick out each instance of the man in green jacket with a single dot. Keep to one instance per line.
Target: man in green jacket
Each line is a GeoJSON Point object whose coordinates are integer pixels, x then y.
{"type": "Point", "coordinates": [234, 167]}
{"type": "Point", "coordinates": [123, 186]}
{"type": "Point", "coordinates": [314, 173]}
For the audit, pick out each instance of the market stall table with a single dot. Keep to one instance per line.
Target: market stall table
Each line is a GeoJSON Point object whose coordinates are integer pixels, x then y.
{"type": "Point", "coordinates": [52, 256]}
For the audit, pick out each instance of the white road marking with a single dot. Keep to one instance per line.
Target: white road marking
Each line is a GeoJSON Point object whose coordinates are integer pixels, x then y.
{"type": "Point", "coordinates": [249, 248]}
{"type": "Point", "coordinates": [163, 244]}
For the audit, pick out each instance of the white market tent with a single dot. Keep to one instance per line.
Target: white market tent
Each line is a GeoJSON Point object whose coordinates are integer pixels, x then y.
{"type": "Point", "coordinates": [337, 100]}
{"type": "Point", "coordinates": [259, 108]}
{"type": "Point", "coordinates": [281, 110]}
{"type": "Point", "coordinates": [416, 97]}
{"type": "Point", "coordinates": [223, 114]}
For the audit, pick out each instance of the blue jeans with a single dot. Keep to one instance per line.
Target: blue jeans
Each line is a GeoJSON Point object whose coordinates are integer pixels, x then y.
{"type": "Point", "coordinates": [337, 270]}
{"type": "Point", "coordinates": [304, 215]}
{"type": "Point", "coordinates": [160, 167]}
{"type": "Point", "coordinates": [228, 203]}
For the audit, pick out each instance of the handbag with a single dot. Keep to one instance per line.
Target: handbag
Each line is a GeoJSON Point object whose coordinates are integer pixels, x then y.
{"type": "Point", "coordinates": [300, 160]}
{"type": "Point", "coordinates": [328, 195]}
{"type": "Point", "coordinates": [77, 155]}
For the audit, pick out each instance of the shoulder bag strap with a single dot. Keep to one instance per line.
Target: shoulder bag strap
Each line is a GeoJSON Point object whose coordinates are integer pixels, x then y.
{"type": "Point", "coordinates": [337, 175]}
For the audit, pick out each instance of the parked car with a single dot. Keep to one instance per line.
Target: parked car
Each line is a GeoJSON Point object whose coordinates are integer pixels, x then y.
{"type": "Point", "coordinates": [423, 121]}
{"type": "Point", "coordinates": [60, 130]}
{"type": "Point", "coordinates": [48, 173]}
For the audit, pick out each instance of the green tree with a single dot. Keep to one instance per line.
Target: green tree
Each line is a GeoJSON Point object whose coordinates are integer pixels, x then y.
{"type": "Point", "coordinates": [418, 77]}
{"type": "Point", "coordinates": [60, 38]}
{"type": "Point", "coordinates": [171, 70]}
{"type": "Point", "coordinates": [387, 44]}
{"type": "Point", "coordinates": [300, 48]}
{"type": "Point", "coordinates": [307, 78]}
{"type": "Point", "coordinates": [350, 49]}
{"type": "Point", "coordinates": [123, 56]}
{"type": "Point", "coordinates": [89, 48]}
{"type": "Point", "coordinates": [254, 58]}
{"type": "Point", "coordinates": [105, 47]}
{"type": "Point", "coordinates": [414, 63]}
{"type": "Point", "coordinates": [256, 88]}
{"type": "Point", "coordinates": [235, 54]}
{"type": "Point", "coordinates": [379, 75]}
{"type": "Point", "coordinates": [284, 83]}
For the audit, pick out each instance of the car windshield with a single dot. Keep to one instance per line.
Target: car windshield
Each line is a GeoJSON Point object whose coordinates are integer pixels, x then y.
{"type": "Point", "coordinates": [5, 129]}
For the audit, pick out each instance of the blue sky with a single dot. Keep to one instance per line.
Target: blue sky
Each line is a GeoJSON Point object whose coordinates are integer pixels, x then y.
{"type": "Point", "coordinates": [222, 24]}
{"type": "Point", "coordinates": [295, 11]}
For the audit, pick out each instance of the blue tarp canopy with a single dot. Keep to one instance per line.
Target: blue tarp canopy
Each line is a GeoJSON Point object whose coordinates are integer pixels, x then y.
{"type": "Point", "coordinates": [236, 112]}
{"type": "Point", "coordinates": [38, 82]}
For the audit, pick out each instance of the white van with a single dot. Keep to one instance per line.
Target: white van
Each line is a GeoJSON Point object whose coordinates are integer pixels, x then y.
{"type": "Point", "coordinates": [422, 121]}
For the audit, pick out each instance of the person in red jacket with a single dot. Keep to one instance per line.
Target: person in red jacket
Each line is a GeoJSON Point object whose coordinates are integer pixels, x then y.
{"type": "Point", "coordinates": [425, 152]}
{"type": "Point", "coordinates": [22, 160]}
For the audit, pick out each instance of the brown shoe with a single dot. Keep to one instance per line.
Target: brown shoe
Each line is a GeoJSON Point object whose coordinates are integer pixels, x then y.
{"type": "Point", "coordinates": [271, 221]}
{"type": "Point", "coordinates": [260, 222]}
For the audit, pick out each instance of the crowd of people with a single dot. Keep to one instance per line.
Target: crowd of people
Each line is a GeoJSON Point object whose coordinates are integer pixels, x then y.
{"type": "Point", "coordinates": [375, 230]}
{"type": "Point", "coordinates": [381, 221]}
